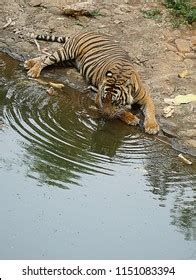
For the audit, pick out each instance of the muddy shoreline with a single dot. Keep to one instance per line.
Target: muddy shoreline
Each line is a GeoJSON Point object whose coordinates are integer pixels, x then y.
{"type": "Point", "coordinates": [153, 46]}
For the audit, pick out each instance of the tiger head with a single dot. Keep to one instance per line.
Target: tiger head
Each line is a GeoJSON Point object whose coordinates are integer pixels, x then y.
{"type": "Point", "coordinates": [114, 94]}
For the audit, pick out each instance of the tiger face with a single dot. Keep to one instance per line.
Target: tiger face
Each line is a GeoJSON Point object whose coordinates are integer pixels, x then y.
{"type": "Point", "coordinates": [114, 95]}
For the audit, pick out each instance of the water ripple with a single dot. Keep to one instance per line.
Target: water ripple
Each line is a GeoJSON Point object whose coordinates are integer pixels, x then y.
{"type": "Point", "coordinates": [64, 137]}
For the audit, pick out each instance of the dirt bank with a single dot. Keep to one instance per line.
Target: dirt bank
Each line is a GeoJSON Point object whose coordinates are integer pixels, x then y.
{"type": "Point", "coordinates": [165, 57]}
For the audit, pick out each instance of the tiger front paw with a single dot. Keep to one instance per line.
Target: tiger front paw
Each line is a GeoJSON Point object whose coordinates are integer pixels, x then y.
{"type": "Point", "coordinates": [133, 121]}
{"type": "Point", "coordinates": [151, 127]}
{"type": "Point", "coordinates": [129, 118]}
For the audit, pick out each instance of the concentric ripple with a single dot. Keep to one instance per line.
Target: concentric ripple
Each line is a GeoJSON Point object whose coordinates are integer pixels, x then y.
{"type": "Point", "coordinates": [64, 137]}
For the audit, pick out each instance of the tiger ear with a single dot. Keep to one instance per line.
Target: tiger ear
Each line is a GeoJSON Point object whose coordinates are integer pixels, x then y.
{"type": "Point", "coordinates": [109, 74]}
{"type": "Point", "coordinates": [128, 82]}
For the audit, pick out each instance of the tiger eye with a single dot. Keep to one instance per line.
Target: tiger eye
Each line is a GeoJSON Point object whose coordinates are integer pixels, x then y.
{"type": "Point", "coordinates": [109, 74]}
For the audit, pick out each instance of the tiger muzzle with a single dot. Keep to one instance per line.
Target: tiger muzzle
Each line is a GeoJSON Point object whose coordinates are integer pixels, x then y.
{"type": "Point", "coordinates": [108, 108]}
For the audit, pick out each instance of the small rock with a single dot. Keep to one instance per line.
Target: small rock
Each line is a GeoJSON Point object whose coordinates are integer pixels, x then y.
{"type": "Point", "coordinates": [105, 12]}
{"type": "Point", "coordinates": [182, 55]}
{"type": "Point", "coordinates": [193, 40]}
{"type": "Point", "coordinates": [168, 35]}
{"type": "Point", "coordinates": [118, 11]}
{"type": "Point", "coordinates": [173, 56]}
{"type": "Point", "coordinates": [188, 133]}
{"type": "Point", "coordinates": [118, 21]}
{"type": "Point", "coordinates": [193, 107]}
{"type": "Point", "coordinates": [183, 45]}
{"type": "Point", "coordinates": [168, 111]}
{"type": "Point", "coordinates": [35, 3]}
{"type": "Point", "coordinates": [194, 48]}
{"type": "Point", "coordinates": [80, 9]}
{"type": "Point", "coordinates": [183, 74]}
{"type": "Point", "coordinates": [176, 33]}
{"type": "Point", "coordinates": [189, 63]}
{"type": "Point", "coordinates": [194, 25]}
{"type": "Point", "coordinates": [16, 31]}
{"type": "Point", "coordinates": [191, 142]}
{"type": "Point", "coordinates": [171, 48]}
{"type": "Point", "coordinates": [190, 55]}
{"type": "Point", "coordinates": [168, 127]}
{"type": "Point", "coordinates": [51, 91]}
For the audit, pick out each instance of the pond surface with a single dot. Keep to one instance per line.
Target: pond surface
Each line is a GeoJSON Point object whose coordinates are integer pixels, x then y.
{"type": "Point", "coordinates": [74, 186]}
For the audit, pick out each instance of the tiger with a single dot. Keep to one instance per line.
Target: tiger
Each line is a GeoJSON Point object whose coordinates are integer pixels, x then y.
{"type": "Point", "coordinates": [107, 69]}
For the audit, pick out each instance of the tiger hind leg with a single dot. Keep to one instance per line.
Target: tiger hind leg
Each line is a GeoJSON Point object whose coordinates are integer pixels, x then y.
{"type": "Point", "coordinates": [36, 65]}
{"type": "Point", "coordinates": [34, 72]}
{"type": "Point", "coordinates": [28, 64]}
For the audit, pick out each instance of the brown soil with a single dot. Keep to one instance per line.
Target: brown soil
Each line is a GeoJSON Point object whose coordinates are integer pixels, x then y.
{"type": "Point", "coordinates": [151, 43]}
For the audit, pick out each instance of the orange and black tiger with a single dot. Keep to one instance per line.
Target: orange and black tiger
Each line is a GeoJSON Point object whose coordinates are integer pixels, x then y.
{"type": "Point", "coordinates": [107, 68]}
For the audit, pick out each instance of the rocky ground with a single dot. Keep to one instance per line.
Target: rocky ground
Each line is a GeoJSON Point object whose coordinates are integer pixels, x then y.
{"type": "Point", "coordinates": [165, 57]}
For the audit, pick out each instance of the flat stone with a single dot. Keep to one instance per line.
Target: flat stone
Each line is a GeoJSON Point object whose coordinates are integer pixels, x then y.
{"type": "Point", "coordinates": [188, 133]}
{"type": "Point", "coordinates": [35, 3]}
{"type": "Point", "coordinates": [190, 55]}
{"type": "Point", "coordinates": [168, 127]}
{"type": "Point", "coordinates": [189, 63]}
{"type": "Point", "coordinates": [191, 142]}
{"type": "Point", "coordinates": [172, 56]}
{"type": "Point", "coordinates": [169, 47]}
{"type": "Point", "coordinates": [183, 45]}
{"type": "Point", "coordinates": [194, 48]}
{"type": "Point", "coordinates": [193, 40]}
{"type": "Point", "coordinates": [193, 108]}
{"type": "Point", "coordinates": [194, 25]}
{"type": "Point", "coordinates": [168, 36]}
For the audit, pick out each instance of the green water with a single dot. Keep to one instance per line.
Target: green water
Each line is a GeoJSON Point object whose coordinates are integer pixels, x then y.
{"type": "Point", "coordinates": [74, 186]}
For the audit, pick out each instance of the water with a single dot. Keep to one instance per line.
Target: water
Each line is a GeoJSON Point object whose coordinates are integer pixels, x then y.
{"type": "Point", "coordinates": [74, 186]}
